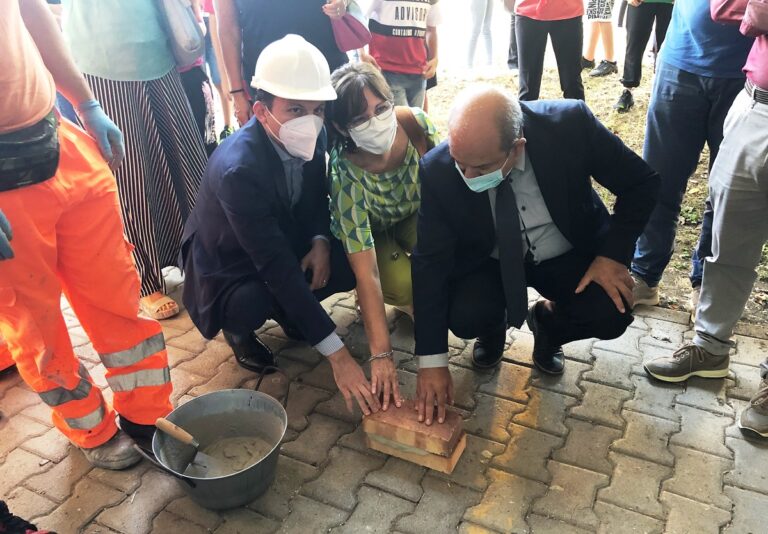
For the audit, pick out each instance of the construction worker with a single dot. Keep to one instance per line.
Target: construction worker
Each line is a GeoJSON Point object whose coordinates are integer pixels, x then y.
{"type": "Point", "coordinates": [61, 200]}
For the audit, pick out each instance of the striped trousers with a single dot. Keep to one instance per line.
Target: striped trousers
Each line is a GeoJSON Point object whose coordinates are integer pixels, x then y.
{"type": "Point", "coordinates": [159, 179]}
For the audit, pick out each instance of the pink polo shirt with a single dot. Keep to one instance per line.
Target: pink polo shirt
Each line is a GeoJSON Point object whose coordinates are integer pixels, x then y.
{"type": "Point", "coordinates": [550, 9]}
{"type": "Point", "coordinates": [756, 68]}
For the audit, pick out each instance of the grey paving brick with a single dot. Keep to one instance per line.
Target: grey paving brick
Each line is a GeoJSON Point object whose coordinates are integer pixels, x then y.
{"type": "Point", "coordinates": [191, 341]}
{"type": "Point", "coordinates": [375, 512]}
{"type": "Point", "coordinates": [465, 384]}
{"type": "Point", "coordinates": [51, 445]}
{"type": "Point", "coordinates": [647, 437]}
{"type": "Point", "coordinates": [20, 465]}
{"type": "Point", "coordinates": [57, 480]}
{"type": "Point", "coordinates": [624, 344]}
{"type": "Point", "coordinates": [614, 520]}
{"type": "Point", "coordinates": [290, 475]}
{"type": "Point", "coordinates": [509, 382]}
{"type": "Point", "coordinates": [87, 500]}
{"type": "Point", "coordinates": [127, 480]}
{"type": "Point", "coordinates": [465, 527]}
{"type": "Point", "coordinates": [687, 516]}
{"type": "Point", "coordinates": [28, 504]}
{"type": "Point", "coordinates": [320, 376]}
{"type": "Point", "coordinates": [398, 477]}
{"type": "Point", "coordinates": [177, 356]}
{"type": "Point", "coordinates": [506, 502]}
{"type": "Point", "coordinates": [745, 473]}
{"type": "Point", "coordinates": [527, 453]}
{"type": "Point", "coordinates": [491, 417]}
{"type": "Point", "coordinates": [205, 362]}
{"type": "Point", "coordinates": [168, 522]}
{"type": "Point", "coordinates": [17, 430]}
{"type": "Point", "coordinates": [587, 446]}
{"type": "Point", "coordinates": [747, 380]}
{"type": "Point", "coordinates": [706, 394]}
{"type": "Point", "coordinates": [303, 399]}
{"type": "Point", "coordinates": [311, 516]}
{"type": "Point", "coordinates": [654, 398]}
{"type": "Point", "coordinates": [543, 524]}
{"type": "Point", "coordinates": [580, 350]}
{"type": "Point", "coordinates": [748, 511]}
{"type": "Point", "coordinates": [18, 398]}
{"type": "Point", "coordinates": [703, 431]}
{"type": "Point", "coordinates": [338, 483]}
{"type": "Point", "coordinates": [244, 521]}
{"type": "Point", "coordinates": [229, 375]}
{"type": "Point", "coordinates": [733, 430]}
{"type": "Point", "coordinates": [313, 444]}
{"type": "Point", "coordinates": [440, 509]}
{"type": "Point", "coordinates": [336, 407]}
{"type": "Point", "coordinates": [567, 383]}
{"type": "Point", "coordinates": [664, 314]}
{"type": "Point", "coordinates": [749, 350]}
{"type": "Point", "coordinates": [611, 368]}
{"type": "Point", "coordinates": [470, 470]}
{"type": "Point", "coordinates": [601, 404]}
{"type": "Point", "coordinates": [183, 381]}
{"type": "Point", "coordinates": [302, 353]}
{"type": "Point", "coordinates": [699, 476]}
{"type": "Point", "coordinates": [571, 495]}
{"type": "Point", "coordinates": [191, 511]}
{"type": "Point", "coordinates": [39, 412]}
{"type": "Point", "coordinates": [546, 411]}
{"type": "Point", "coordinates": [635, 485]}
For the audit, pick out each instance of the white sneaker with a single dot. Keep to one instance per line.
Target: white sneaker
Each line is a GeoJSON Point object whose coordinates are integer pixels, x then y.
{"type": "Point", "coordinates": [645, 294]}
{"type": "Point", "coordinates": [693, 302]}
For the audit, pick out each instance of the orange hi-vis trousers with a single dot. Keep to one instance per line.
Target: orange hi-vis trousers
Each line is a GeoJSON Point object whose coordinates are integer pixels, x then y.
{"type": "Point", "coordinates": [68, 235]}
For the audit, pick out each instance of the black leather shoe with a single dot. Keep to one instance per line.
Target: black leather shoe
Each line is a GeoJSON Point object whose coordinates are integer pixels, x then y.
{"type": "Point", "coordinates": [250, 352]}
{"type": "Point", "coordinates": [141, 434]}
{"type": "Point", "coordinates": [488, 349]}
{"type": "Point", "coordinates": [547, 357]}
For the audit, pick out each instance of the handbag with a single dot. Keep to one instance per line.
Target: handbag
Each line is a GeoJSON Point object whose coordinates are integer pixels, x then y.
{"type": "Point", "coordinates": [351, 31]}
{"type": "Point", "coordinates": [186, 35]}
{"type": "Point", "coordinates": [755, 21]}
{"type": "Point", "coordinates": [30, 155]}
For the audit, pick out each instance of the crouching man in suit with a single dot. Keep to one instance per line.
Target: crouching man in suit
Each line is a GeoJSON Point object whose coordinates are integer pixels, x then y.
{"type": "Point", "coordinates": [507, 204]}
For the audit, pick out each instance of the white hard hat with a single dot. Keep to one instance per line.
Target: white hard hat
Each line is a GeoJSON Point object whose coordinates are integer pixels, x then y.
{"type": "Point", "coordinates": [293, 68]}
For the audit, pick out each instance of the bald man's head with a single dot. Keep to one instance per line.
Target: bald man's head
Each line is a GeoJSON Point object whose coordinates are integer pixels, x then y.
{"type": "Point", "coordinates": [484, 126]}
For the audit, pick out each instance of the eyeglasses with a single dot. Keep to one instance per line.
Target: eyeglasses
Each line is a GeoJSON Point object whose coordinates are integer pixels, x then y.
{"type": "Point", "coordinates": [382, 111]}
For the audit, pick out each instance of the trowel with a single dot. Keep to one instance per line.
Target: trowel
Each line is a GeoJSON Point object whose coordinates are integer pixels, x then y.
{"type": "Point", "coordinates": [184, 456]}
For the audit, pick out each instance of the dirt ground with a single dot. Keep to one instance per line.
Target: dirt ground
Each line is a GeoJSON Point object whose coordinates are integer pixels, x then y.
{"type": "Point", "coordinates": [602, 93]}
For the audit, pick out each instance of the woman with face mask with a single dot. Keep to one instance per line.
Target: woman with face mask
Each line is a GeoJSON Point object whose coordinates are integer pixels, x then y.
{"type": "Point", "coordinates": [374, 166]}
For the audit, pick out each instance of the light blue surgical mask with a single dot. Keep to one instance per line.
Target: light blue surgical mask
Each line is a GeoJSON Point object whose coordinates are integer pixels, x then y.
{"type": "Point", "coordinates": [484, 182]}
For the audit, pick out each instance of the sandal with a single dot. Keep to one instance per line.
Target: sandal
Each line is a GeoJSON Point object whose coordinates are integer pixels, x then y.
{"type": "Point", "coordinates": [163, 308]}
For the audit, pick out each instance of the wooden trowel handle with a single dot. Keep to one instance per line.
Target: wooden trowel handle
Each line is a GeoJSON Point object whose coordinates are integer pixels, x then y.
{"type": "Point", "coordinates": [176, 432]}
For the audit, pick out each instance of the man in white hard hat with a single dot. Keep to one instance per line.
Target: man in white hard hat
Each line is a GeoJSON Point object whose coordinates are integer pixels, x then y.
{"type": "Point", "coordinates": [257, 244]}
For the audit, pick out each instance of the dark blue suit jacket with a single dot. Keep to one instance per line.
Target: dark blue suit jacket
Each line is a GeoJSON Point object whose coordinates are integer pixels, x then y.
{"type": "Point", "coordinates": [566, 145]}
{"type": "Point", "coordinates": [243, 228]}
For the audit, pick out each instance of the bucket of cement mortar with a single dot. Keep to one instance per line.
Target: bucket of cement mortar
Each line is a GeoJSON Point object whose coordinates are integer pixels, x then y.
{"type": "Point", "coordinates": [213, 417]}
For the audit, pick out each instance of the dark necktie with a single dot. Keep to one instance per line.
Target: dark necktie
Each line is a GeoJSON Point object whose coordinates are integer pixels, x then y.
{"type": "Point", "coordinates": [510, 242]}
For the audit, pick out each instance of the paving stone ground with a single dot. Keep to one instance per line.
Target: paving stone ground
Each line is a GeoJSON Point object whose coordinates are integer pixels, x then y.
{"type": "Point", "coordinates": [601, 449]}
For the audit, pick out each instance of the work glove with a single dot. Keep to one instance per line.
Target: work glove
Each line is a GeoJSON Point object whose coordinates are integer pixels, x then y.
{"type": "Point", "coordinates": [103, 130]}
{"type": "Point", "coordinates": [6, 252]}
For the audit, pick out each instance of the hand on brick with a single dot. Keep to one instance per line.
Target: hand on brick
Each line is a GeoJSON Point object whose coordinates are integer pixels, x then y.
{"type": "Point", "coordinates": [434, 386]}
{"type": "Point", "coordinates": [352, 383]}
{"type": "Point", "coordinates": [384, 383]}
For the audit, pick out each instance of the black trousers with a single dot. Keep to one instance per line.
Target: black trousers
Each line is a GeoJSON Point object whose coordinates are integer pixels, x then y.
{"type": "Point", "coordinates": [250, 304]}
{"type": "Point", "coordinates": [567, 39]}
{"type": "Point", "coordinates": [478, 306]}
{"type": "Point", "coordinates": [512, 54]}
{"type": "Point", "coordinates": [197, 87]}
{"type": "Point", "coordinates": [640, 21]}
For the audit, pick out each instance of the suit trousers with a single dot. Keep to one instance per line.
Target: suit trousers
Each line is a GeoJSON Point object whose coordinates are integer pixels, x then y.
{"type": "Point", "coordinates": [567, 39]}
{"type": "Point", "coordinates": [478, 306]}
{"type": "Point", "coordinates": [249, 304]}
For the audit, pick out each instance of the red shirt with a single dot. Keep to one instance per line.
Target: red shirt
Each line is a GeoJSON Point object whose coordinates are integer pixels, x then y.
{"type": "Point", "coordinates": [550, 9]}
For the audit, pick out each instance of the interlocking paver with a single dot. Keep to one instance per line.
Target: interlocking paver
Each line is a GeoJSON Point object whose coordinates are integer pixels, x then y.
{"type": "Point", "coordinates": [699, 476]}
{"type": "Point", "coordinates": [567, 383]}
{"type": "Point", "coordinates": [336, 407]}
{"type": "Point", "coordinates": [303, 399]}
{"type": "Point", "coordinates": [127, 480]}
{"type": "Point", "coordinates": [465, 527]}
{"type": "Point", "coordinates": [506, 502]}
{"type": "Point", "coordinates": [168, 522]}
{"type": "Point", "coordinates": [520, 350]}
{"type": "Point", "coordinates": [18, 466]}
{"type": "Point", "coordinates": [703, 431]}
{"type": "Point", "coordinates": [706, 394]}
{"type": "Point", "coordinates": [491, 417]}
{"type": "Point", "coordinates": [184, 381]}
{"type": "Point", "coordinates": [465, 384]}
{"type": "Point", "coordinates": [191, 511]}
{"type": "Point", "coordinates": [375, 512]}
{"type": "Point", "coordinates": [546, 411]}
{"type": "Point", "coordinates": [614, 519]}
{"type": "Point", "coordinates": [16, 399]}
{"type": "Point", "coordinates": [206, 361]}
{"type": "Point", "coordinates": [587, 446]}
{"type": "Point", "coordinates": [27, 504]}
{"type": "Point", "coordinates": [750, 350]}
{"type": "Point", "coordinates": [571, 495]}
{"type": "Point", "coordinates": [302, 353]}
{"type": "Point", "coordinates": [313, 444]}
{"type": "Point", "coordinates": [398, 477]}
{"type": "Point", "coordinates": [88, 499]}
{"type": "Point", "coordinates": [625, 344]}
{"type": "Point", "coordinates": [470, 470]}
{"type": "Point", "coordinates": [611, 368]}
{"type": "Point", "coordinates": [228, 375]}
{"type": "Point", "coordinates": [747, 380]}
{"type": "Point", "coordinates": [440, 508]}
{"type": "Point", "coordinates": [527, 453]}
{"type": "Point", "coordinates": [647, 437]}
{"type": "Point", "coordinates": [244, 521]}
{"type": "Point", "coordinates": [57, 484]}
{"type": "Point", "coordinates": [747, 458]}
{"type": "Point", "coordinates": [39, 412]}
{"type": "Point", "coordinates": [635, 485]}
{"type": "Point", "coordinates": [601, 404]}
{"type": "Point", "coordinates": [540, 523]}
{"type": "Point", "coordinates": [340, 479]}
{"type": "Point", "coordinates": [509, 382]}
{"type": "Point", "coordinates": [52, 445]}
{"type": "Point", "coordinates": [748, 511]}
{"type": "Point", "coordinates": [177, 356]}
{"type": "Point", "coordinates": [654, 398]}
{"type": "Point", "coordinates": [580, 350]}
{"type": "Point", "coordinates": [17, 430]}
{"type": "Point", "coordinates": [310, 516]}
{"type": "Point", "coordinates": [687, 516]}
{"type": "Point", "coordinates": [290, 475]}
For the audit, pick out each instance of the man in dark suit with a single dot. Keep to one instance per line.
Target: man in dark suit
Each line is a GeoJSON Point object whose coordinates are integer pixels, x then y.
{"type": "Point", "coordinates": [507, 203]}
{"type": "Point", "coordinates": [257, 244]}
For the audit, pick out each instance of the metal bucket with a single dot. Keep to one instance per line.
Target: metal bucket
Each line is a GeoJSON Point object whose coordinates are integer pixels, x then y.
{"type": "Point", "coordinates": [228, 413]}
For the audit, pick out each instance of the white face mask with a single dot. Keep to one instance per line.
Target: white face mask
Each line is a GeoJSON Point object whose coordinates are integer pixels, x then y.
{"type": "Point", "coordinates": [299, 136]}
{"type": "Point", "coordinates": [375, 135]}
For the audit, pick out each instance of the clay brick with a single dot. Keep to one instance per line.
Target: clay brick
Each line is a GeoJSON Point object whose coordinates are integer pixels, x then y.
{"type": "Point", "coordinates": [635, 485]}
{"type": "Point", "coordinates": [440, 508]}
{"type": "Point", "coordinates": [17, 398]}
{"type": "Point", "coordinates": [244, 521]}
{"type": "Point", "coordinates": [398, 477]}
{"type": "Point", "coordinates": [17, 467]}
{"type": "Point", "coordinates": [491, 417]}
{"type": "Point", "coordinates": [375, 512]}
{"type": "Point", "coordinates": [747, 381]}
{"type": "Point", "coordinates": [58, 482]}
{"type": "Point", "coordinates": [703, 431]}
{"type": "Point", "coordinates": [527, 453]}
{"type": "Point", "coordinates": [647, 437]}
{"type": "Point", "coordinates": [654, 398]}
{"type": "Point", "coordinates": [706, 394]}
{"type": "Point", "coordinates": [750, 350]}
{"type": "Point", "coordinates": [51, 445]}
{"type": "Point", "coordinates": [546, 411]}
{"type": "Point", "coordinates": [340, 478]}
{"type": "Point", "coordinates": [506, 502]}
{"type": "Point", "coordinates": [699, 476]}
{"type": "Point", "coordinates": [308, 512]}
{"type": "Point", "coordinates": [614, 519]}
{"type": "Point", "coordinates": [191, 511]}
{"type": "Point", "coordinates": [28, 504]}
{"type": "Point", "coordinates": [510, 382]}
{"type": "Point", "coordinates": [313, 444]}
{"type": "Point", "coordinates": [567, 383]}
{"type": "Point", "coordinates": [469, 472]}
{"type": "Point", "coordinates": [612, 369]}
{"type": "Point", "coordinates": [571, 495]}
{"type": "Point", "coordinates": [745, 473]}
{"type": "Point", "coordinates": [87, 500]}
{"type": "Point", "coordinates": [748, 511]}
{"type": "Point", "coordinates": [289, 477]}
{"type": "Point", "coordinates": [625, 344]}
{"type": "Point", "coordinates": [601, 404]}
{"type": "Point", "coordinates": [687, 516]}
{"type": "Point", "coordinates": [168, 522]}
{"type": "Point", "coordinates": [135, 513]}
{"type": "Point", "coordinates": [587, 446]}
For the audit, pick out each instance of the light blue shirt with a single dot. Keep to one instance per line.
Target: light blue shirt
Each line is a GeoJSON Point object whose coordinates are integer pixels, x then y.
{"type": "Point", "coordinates": [121, 40]}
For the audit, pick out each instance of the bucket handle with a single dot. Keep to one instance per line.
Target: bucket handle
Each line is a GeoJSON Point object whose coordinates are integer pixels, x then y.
{"type": "Point", "coordinates": [264, 372]}
{"type": "Point", "coordinates": [151, 458]}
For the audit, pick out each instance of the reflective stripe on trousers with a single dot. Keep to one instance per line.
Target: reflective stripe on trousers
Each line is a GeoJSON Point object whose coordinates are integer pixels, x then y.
{"type": "Point", "coordinates": [135, 354]}
{"type": "Point", "coordinates": [88, 421]}
{"type": "Point", "coordinates": [59, 396]}
{"type": "Point", "coordinates": [137, 379]}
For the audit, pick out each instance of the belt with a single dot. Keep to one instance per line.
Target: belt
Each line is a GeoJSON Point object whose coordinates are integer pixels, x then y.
{"type": "Point", "coordinates": [756, 93]}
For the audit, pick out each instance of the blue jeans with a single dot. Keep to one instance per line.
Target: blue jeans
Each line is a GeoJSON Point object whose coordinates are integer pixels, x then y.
{"type": "Point", "coordinates": [686, 111]}
{"type": "Point", "coordinates": [408, 89]}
